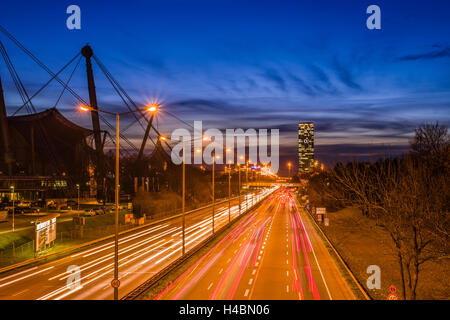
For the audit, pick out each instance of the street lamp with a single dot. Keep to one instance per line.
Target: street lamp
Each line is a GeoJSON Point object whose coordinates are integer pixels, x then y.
{"type": "Point", "coordinates": [12, 197]}
{"type": "Point", "coordinates": [229, 187]}
{"type": "Point", "coordinates": [289, 167]}
{"type": "Point", "coordinates": [213, 193]}
{"type": "Point", "coordinates": [85, 108]}
{"type": "Point", "coordinates": [78, 202]}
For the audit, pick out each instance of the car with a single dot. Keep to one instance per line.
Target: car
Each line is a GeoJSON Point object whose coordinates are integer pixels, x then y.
{"type": "Point", "coordinates": [52, 205]}
{"type": "Point", "coordinates": [96, 211]}
{"type": "Point", "coordinates": [31, 210]}
{"type": "Point", "coordinates": [38, 203]}
{"type": "Point", "coordinates": [71, 203]}
{"type": "Point", "coordinates": [24, 204]}
{"type": "Point", "coordinates": [89, 212]}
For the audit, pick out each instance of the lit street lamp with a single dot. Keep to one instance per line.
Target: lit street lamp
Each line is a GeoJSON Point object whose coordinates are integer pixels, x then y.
{"type": "Point", "coordinates": [85, 108]}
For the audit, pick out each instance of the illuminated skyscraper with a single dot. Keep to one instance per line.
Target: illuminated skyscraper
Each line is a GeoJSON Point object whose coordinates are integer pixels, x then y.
{"type": "Point", "coordinates": [305, 146]}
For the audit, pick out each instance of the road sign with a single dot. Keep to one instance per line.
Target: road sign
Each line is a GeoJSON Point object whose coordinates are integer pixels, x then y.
{"type": "Point", "coordinates": [321, 210]}
{"type": "Point", "coordinates": [115, 283]}
{"type": "Point", "coordinates": [392, 289]}
{"type": "Point", "coordinates": [392, 296]}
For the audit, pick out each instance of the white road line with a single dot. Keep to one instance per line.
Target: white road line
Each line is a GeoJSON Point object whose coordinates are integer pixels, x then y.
{"type": "Point", "coordinates": [220, 271]}
{"type": "Point", "coordinates": [250, 281]}
{"type": "Point", "coordinates": [246, 293]}
{"type": "Point", "coordinates": [210, 285]}
{"type": "Point", "coordinates": [27, 276]}
{"type": "Point", "coordinates": [287, 273]}
{"type": "Point", "coordinates": [254, 271]}
{"type": "Point", "coordinates": [19, 273]}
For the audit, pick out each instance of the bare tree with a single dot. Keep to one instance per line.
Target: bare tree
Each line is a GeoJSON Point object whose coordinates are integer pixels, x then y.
{"type": "Point", "coordinates": [431, 141]}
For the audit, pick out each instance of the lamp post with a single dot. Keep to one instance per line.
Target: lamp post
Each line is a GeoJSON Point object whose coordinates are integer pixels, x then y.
{"type": "Point", "coordinates": [213, 191]}
{"type": "Point", "coordinates": [12, 197]}
{"type": "Point", "coordinates": [78, 202]}
{"type": "Point", "coordinates": [239, 186]}
{"type": "Point", "coordinates": [151, 108]}
{"type": "Point", "coordinates": [289, 167]}
{"type": "Point", "coordinates": [229, 188]}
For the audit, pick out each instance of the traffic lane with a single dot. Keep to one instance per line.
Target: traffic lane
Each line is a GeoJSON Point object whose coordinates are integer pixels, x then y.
{"type": "Point", "coordinates": [152, 264]}
{"type": "Point", "coordinates": [286, 266]}
{"type": "Point", "coordinates": [96, 263]}
{"type": "Point", "coordinates": [42, 283]}
{"type": "Point", "coordinates": [211, 277]}
{"type": "Point", "coordinates": [325, 266]}
{"type": "Point", "coordinates": [273, 277]}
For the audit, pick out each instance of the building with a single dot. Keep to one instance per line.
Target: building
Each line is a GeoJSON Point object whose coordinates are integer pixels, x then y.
{"type": "Point", "coordinates": [305, 146]}
{"type": "Point", "coordinates": [48, 155]}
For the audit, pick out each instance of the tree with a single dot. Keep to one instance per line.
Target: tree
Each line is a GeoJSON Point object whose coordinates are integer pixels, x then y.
{"type": "Point", "coordinates": [431, 141]}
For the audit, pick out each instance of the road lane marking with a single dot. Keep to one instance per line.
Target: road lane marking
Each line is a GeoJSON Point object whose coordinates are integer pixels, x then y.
{"type": "Point", "coordinates": [19, 273]}
{"type": "Point", "coordinates": [220, 271]}
{"type": "Point", "coordinates": [27, 276]}
{"type": "Point", "coordinates": [287, 288]}
{"type": "Point", "coordinates": [254, 271]}
{"type": "Point", "coordinates": [20, 292]}
{"type": "Point", "coordinates": [246, 293]}
{"type": "Point", "coordinates": [210, 285]}
{"type": "Point", "coordinates": [287, 273]}
{"type": "Point", "coordinates": [250, 281]}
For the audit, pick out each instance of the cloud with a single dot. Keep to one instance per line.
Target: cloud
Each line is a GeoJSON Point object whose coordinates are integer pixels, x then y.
{"type": "Point", "coordinates": [276, 78]}
{"type": "Point", "coordinates": [435, 54]}
{"type": "Point", "coordinates": [345, 76]}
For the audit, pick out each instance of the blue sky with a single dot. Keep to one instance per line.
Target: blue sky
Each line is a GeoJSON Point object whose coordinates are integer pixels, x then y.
{"type": "Point", "coordinates": [260, 64]}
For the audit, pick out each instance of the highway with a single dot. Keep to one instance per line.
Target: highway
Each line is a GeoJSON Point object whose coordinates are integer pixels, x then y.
{"type": "Point", "coordinates": [142, 253]}
{"type": "Point", "coordinates": [274, 253]}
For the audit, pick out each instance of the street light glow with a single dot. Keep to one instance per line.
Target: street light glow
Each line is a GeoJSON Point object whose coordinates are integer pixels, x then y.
{"type": "Point", "coordinates": [153, 107]}
{"type": "Point", "coordinates": [84, 108]}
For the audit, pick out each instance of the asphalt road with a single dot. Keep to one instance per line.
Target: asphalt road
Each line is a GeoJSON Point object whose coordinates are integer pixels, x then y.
{"type": "Point", "coordinates": [141, 254]}
{"type": "Point", "coordinates": [273, 254]}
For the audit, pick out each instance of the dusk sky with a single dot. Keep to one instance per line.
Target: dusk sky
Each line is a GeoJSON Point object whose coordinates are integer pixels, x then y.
{"type": "Point", "coordinates": [249, 64]}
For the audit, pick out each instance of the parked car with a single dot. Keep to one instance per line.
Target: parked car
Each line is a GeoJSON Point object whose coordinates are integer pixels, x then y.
{"type": "Point", "coordinates": [71, 204]}
{"type": "Point", "coordinates": [23, 204]}
{"type": "Point", "coordinates": [52, 205]}
{"type": "Point", "coordinates": [38, 203]}
{"type": "Point", "coordinates": [89, 212]}
{"type": "Point", "coordinates": [30, 210]}
{"type": "Point", "coordinates": [97, 211]}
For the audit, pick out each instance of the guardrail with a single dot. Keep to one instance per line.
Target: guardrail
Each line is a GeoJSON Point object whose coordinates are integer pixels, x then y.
{"type": "Point", "coordinates": [141, 289]}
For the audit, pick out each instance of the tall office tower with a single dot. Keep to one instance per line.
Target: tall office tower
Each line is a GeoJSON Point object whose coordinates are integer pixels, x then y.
{"type": "Point", "coordinates": [305, 146]}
